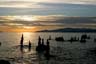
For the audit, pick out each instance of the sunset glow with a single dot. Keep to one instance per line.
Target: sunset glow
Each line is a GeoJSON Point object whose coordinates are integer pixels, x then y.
{"type": "Point", "coordinates": [47, 31]}
{"type": "Point", "coordinates": [35, 23]}
{"type": "Point", "coordinates": [21, 30]}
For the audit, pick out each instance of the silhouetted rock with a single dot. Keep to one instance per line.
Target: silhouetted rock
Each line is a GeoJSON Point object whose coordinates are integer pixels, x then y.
{"type": "Point", "coordinates": [85, 36]}
{"type": "Point", "coordinates": [70, 30]}
{"type": "Point", "coordinates": [29, 46]}
{"type": "Point", "coordinates": [94, 39]}
{"type": "Point", "coordinates": [22, 39]}
{"type": "Point", "coordinates": [73, 39]}
{"type": "Point", "coordinates": [44, 49]}
{"type": "Point", "coordinates": [0, 43]}
{"type": "Point", "coordinates": [59, 39]}
{"type": "Point", "coordinates": [41, 46]}
{"type": "Point", "coordinates": [4, 62]}
{"type": "Point", "coordinates": [21, 43]}
{"type": "Point", "coordinates": [47, 51]}
{"type": "Point", "coordinates": [49, 38]}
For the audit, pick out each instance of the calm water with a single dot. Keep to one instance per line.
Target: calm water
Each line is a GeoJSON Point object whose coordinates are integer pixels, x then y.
{"type": "Point", "coordinates": [9, 49]}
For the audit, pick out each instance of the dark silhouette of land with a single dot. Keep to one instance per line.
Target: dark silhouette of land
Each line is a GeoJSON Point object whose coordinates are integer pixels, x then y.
{"type": "Point", "coordinates": [70, 30]}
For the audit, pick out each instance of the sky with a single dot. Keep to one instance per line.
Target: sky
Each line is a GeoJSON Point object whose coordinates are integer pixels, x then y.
{"type": "Point", "coordinates": [57, 1]}
{"type": "Point", "coordinates": [48, 7]}
{"type": "Point", "coordinates": [34, 15]}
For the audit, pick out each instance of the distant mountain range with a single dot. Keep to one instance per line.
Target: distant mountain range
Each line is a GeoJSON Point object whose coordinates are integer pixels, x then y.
{"type": "Point", "coordinates": [70, 30]}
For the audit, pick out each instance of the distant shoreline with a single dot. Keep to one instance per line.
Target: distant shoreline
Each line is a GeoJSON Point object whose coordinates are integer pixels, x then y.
{"type": "Point", "coordinates": [63, 30]}
{"type": "Point", "coordinates": [76, 30]}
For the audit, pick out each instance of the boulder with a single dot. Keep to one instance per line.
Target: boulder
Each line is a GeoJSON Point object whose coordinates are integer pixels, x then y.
{"type": "Point", "coordinates": [4, 62]}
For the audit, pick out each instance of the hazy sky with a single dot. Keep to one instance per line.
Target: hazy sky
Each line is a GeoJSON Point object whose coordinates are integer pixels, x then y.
{"type": "Point", "coordinates": [48, 7]}
{"type": "Point", "coordinates": [59, 1]}
{"type": "Point", "coordinates": [25, 10]}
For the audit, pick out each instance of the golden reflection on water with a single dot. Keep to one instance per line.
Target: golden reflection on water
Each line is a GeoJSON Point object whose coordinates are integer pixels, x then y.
{"type": "Point", "coordinates": [28, 37]}
{"type": "Point", "coordinates": [27, 34]}
{"type": "Point", "coordinates": [26, 52]}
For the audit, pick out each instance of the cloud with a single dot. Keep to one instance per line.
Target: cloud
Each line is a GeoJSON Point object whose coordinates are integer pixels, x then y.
{"type": "Point", "coordinates": [42, 3]}
{"type": "Point", "coordinates": [28, 8]}
{"type": "Point", "coordinates": [93, 2]}
{"type": "Point", "coordinates": [64, 7]}
{"type": "Point", "coordinates": [19, 4]}
{"type": "Point", "coordinates": [53, 20]}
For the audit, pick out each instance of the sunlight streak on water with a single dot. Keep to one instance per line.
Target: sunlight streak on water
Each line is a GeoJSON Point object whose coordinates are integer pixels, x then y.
{"type": "Point", "coordinates": [28, 37]}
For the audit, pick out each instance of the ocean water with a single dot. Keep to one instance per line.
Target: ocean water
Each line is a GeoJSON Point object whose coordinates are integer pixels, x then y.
{"type": "Point", "coordinates": [65, 52]}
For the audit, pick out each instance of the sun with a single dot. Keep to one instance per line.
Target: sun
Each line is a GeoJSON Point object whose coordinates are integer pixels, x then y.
{"type": "Point", "coordinates": [28, 18]}
{"type": "Point", "coordinates": [28, 27]}
{"type": "Point", "coordinates": [23, 18]}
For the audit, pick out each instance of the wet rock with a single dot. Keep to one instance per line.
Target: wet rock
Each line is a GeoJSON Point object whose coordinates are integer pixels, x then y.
{"type": "Point", "coordinates": [4, 62]}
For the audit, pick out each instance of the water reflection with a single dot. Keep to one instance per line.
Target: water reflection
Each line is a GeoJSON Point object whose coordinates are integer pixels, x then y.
{"type": "Point", "coordinates": [28, 37]}
{"type": "Point", "coordinates": [64, 51]}
{"type": "Point", "coordinates": [23, 46]}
